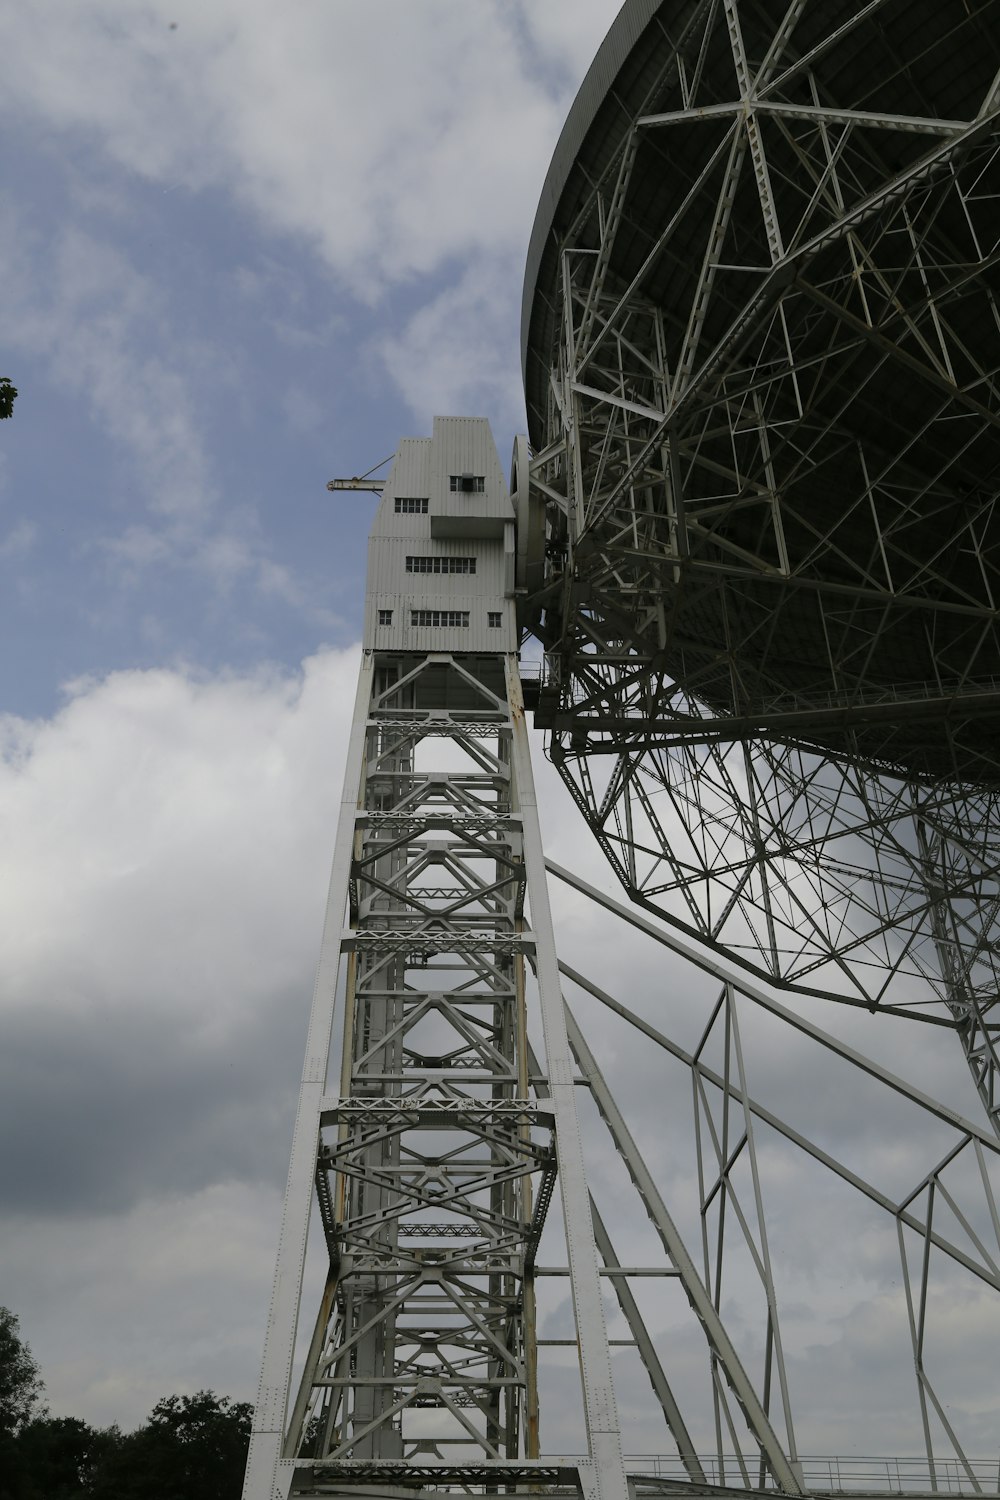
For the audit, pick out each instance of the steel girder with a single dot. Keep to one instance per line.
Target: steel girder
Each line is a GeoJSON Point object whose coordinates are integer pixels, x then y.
{"type": "Point", "coordinates": [943, 1214]}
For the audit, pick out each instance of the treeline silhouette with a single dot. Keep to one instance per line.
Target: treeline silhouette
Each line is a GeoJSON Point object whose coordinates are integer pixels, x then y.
{"type": "Point", "coordinates": [189, 1448]}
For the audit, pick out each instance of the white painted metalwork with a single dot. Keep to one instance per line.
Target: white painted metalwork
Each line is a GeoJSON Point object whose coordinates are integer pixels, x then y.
{"type": "Point", "coordinates": [760, 331]}
{"type": "Point", "coordinates": [432, 1170]}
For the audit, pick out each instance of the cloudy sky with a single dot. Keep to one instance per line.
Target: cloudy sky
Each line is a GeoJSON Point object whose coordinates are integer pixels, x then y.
{"type": "Point", "coordinates": [245, 248]}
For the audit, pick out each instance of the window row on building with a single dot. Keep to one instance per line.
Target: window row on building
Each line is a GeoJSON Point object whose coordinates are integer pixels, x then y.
{"type": "Point", "coordinates": [436, 617]}
{"type": "Point", "coordinates": [461, 484]}
{"type": "Point", "coordinates": [440, 564]}
{"type": "Point", "coordinates": [450, 618]}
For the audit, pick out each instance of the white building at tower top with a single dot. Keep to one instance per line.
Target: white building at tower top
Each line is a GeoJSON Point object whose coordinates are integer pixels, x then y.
{"type": "Point", "coordinates": [441, 555]}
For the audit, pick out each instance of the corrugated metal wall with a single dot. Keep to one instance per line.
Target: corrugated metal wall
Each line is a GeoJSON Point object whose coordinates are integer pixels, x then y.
{"type": "Point", "coordinates": [458, 523]}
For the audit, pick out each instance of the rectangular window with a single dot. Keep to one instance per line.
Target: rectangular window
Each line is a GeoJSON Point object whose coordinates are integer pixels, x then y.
{"type": "Point", "coordinates": [440, 564]}
{"type": "Point", "coordinates": [468, 484]}
{"type": "Point", "coordinates": [452, 617]}
{"type": "Point", "coordinates": [385, 616]}
{"type": "Point", "coordinates": [411, 505]}
{"type": "Point", "coordinates": [494, 619]}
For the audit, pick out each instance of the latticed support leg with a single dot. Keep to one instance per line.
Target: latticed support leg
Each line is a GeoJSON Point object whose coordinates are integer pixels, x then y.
{"type": "Point", "coordinates": [432, 1167]}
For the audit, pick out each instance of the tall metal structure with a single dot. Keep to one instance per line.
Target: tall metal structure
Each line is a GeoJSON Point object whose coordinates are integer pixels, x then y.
{"type": "Point", "coordinates": [759, 336]}
{"type": "Point", "coordinates": [760, 330]}
{"type": "Point", "coordinates": [434, 1165]}
{"type": "Point", "coordinates": [753, 529]}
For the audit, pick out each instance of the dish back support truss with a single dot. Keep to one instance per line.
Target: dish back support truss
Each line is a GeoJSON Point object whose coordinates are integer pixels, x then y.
{"type": "Point", "coordinates": [768, 449]}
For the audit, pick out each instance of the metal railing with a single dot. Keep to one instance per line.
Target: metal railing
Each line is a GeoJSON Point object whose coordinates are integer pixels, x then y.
{"type": "Point", "coordinates": [824, 1473]}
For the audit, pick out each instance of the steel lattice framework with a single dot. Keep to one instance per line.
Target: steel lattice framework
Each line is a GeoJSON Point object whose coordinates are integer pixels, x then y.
{"type": "Point", "coordinates": [761, 326]}
{"type": "Point", "coordinates": [435, 1170]}
{"type": "Point", "coordinates": [434, 1166]}
{"type": "Point", "coordinates": [753, 529]}
{"type": "Point", "coordinates": [477, 1134]}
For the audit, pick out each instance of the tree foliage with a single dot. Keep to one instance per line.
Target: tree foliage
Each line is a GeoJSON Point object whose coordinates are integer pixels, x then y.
{"type": "Point", "coordinates": [190, 1448]}
{"type": "Point", "coordinates": [194, 1446]}
{"type": "Point", "coordinates": [8, 395]}
{"type": "Point", "coordinates": [20, 1383]}
{"type": "Point", "coordinates": [59, 1458]}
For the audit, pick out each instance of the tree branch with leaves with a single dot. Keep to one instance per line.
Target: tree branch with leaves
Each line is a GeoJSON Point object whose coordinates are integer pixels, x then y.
{"type": "Point", "coordinates": [8, 395]}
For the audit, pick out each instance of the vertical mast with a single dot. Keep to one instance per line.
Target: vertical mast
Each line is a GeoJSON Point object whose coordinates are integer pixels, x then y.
{"type": "Point", "coordinates": [431, 1164]}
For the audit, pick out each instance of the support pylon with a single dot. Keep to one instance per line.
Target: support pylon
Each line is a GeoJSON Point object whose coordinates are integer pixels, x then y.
{"type": "Point", "coordinates": [429, 1154]}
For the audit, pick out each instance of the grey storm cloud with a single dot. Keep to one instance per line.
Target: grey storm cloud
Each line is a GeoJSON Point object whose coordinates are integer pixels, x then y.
{"type": "Point", "coordinates": [116, 1107]}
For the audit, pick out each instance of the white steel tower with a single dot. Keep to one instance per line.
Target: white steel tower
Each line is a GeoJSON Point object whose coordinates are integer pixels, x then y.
{"type": "Point", "coordinates": [431, 1151]}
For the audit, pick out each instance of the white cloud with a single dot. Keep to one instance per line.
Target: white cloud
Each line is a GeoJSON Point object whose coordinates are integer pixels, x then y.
{"type": "Point", "coordinates": [568, 39]}
{"type": "Point", "coordinates": [391, 136]}
{"type": "Point", "coordinates": [169, 1295]}
{"type": "Point", "coordinates": [109, 336]}
{"type": "Point", "coordinates": [103, 326]}
{"type": "Point", "coordinates": [399, 141]}
{"type": "Point", "coordinates": [459, 352]}
{"type": "Point", "coordinates": [158, 806]}
{"type": "Point", "coordinates": [166, 838]}
{"type": "Point", "coordinates": [162, 875]}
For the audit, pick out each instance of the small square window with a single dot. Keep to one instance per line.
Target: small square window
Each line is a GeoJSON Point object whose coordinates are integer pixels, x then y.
{"type": "Point", "coordinates": [468, 484]}
{"type": "Point", "coordinates": [385, 616]}
{"type": "Point", "coordinates": [494, 619]}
